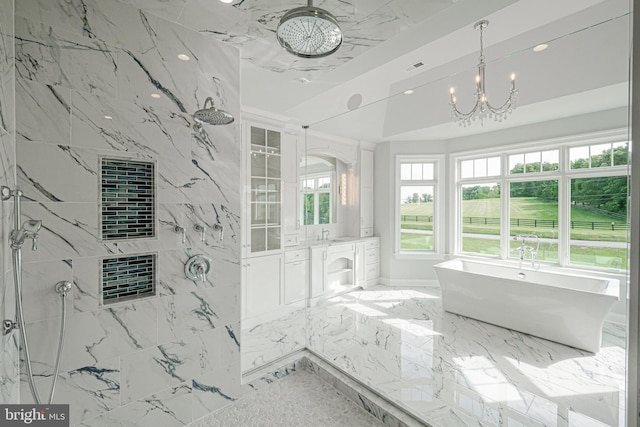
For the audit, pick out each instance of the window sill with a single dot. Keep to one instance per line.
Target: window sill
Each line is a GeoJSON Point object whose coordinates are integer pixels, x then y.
{"type": "Point", "coordinates": [420, 256]}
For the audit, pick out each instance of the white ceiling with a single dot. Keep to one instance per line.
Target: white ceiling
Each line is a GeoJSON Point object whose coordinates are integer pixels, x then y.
{"type": "Point", "coordinates": [585, 68]}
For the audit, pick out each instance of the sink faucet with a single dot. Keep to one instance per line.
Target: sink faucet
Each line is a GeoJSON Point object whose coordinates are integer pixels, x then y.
{"type": "Point", "coordinates": [325, 234]}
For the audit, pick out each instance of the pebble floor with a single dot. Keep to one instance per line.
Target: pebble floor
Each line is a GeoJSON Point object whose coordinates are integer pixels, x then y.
{"type": "Point", "coordinates": [300, 399]}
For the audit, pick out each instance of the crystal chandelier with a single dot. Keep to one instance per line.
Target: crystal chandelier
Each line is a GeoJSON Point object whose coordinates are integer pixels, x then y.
{"type": "Point", "coordinates": [482, 109]}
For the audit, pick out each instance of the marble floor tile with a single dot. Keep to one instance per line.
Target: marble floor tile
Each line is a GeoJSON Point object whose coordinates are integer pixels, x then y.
{"type": "Point", "coordinates": [449, 370]}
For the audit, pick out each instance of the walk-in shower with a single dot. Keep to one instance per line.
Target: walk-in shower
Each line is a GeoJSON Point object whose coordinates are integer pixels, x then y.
{"type": "Point", "coordinates": [29, 230]}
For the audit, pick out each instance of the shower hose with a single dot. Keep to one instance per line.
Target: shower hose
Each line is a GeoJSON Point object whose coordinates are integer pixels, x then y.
{"type": "Point", "coordinates": [17, 275]}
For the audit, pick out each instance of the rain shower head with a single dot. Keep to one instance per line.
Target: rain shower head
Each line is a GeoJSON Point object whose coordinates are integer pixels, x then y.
{"type": "Point", "coordinates": [212, 115]}
{"type": "Point", "coordinates": [309, 32]}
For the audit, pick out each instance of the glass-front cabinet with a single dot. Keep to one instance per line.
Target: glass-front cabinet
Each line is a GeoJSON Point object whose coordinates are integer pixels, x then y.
{"type": "Point", "coordinates": [266, 184]}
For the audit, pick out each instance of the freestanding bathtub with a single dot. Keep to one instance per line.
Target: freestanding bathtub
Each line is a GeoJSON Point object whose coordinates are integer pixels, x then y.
{"type": "Point", "coordinates": [565, 308]}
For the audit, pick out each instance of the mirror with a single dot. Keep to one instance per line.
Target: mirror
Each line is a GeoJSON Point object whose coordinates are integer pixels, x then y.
{"type": "Point", "coordinates": [317, 195]}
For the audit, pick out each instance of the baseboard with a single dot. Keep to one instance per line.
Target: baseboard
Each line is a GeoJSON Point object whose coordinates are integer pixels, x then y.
{"type": "Point", "coordinates": [274, 369]}
{"type": "Point", "coordinates": [409, 282]}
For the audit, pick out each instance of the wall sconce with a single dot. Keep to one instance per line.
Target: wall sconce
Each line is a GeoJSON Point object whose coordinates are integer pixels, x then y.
{"type": "Point", "coordinates": [343, 189]}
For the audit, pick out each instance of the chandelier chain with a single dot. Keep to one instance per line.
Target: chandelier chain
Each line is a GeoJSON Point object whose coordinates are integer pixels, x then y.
{"type": "Point", "coordinates": [481, 58]}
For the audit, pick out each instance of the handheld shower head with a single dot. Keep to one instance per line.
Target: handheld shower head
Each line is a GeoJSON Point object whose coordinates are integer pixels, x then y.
{"type": "Point", "coordinates": [29, 230]}
{"type": "Point", "coordinates": [32, 226]}
{"type": "Point", "coordinates": [212, 115]}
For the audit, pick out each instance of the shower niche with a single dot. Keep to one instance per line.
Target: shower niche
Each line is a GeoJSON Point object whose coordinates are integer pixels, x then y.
{"type": "Point", "coordinates": [127, 213]}
{"type": "Point", "coordinates": [127, 205]}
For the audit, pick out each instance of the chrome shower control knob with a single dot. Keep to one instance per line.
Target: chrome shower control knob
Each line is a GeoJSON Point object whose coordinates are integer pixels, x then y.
{"type": "Point", "coordinates": [197, 268]}
{"type": "Point", "coordinates": [8, 326]}
{"type": "Point", "coordinates": [202, 230]}
{"type": "Point", "coordinates": [180, 230]}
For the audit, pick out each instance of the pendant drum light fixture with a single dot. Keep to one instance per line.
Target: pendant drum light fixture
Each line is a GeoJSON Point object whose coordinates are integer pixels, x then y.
{"type": "Point", "coordinates": [309, 32]}
{"type": "Point", "coordinates": [482, 109]}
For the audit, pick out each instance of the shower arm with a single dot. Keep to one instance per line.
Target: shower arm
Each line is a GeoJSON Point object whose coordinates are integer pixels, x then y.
{"type": "Point", "coordinates": [209, 100]}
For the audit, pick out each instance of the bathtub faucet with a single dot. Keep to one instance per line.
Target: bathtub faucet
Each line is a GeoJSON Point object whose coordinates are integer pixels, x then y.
{"type": "Point", "coordinates": [527, 249]}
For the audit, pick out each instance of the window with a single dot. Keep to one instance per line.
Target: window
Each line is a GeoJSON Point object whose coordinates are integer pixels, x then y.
{"type": "Point", "coordinates": [318, 174]}
{"type": "Point", "coordinates": [417, 205]}
{"type": "Point", "coordinates": [572, 199]}
{"type": "Point", "coordinates": [533, 211]}
{"type": "Point", "coordinates": [480, 205]}
{"type": "Point", "coordinates": [316, 200]}
{"type": "Point", "coordinates": [537, 161]}
{"type": "Point", "coordinates": [599, 155]}
{"type": "Point", "coordinates": [481, 218]}
{"type": "Point", "coordinates": [477, 168]}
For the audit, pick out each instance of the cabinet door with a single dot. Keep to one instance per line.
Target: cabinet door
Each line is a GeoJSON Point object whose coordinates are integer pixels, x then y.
{"type": "Point", "coordinates": [295, 281]}
{"type": "Point", "coordinates": [318, 270]}
{"type": "Point", "coordinates": [290, 207]}
{"type": "Point", "coordinates": [366, 190]}
{"type": "Point", "coordinates": [263, 280]}
{"type": "Point", "coordinates": [366, 208]}
{"type": "Point", "coordinates": [265, 200]}
{"type": "Point", "coordinates": [366, 169]}
{"type": "Point", "coordinates": [360, 263]}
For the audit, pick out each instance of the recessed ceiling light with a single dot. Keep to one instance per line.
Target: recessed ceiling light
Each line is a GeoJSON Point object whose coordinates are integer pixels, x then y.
{"type": "Point", "coordinates": [540, 47]}
{"type": "Point", "coordinates": [155, 95]}
{"type": "Point", "coordinates": [227, 1]}
{"type": "Point", "coordinates": [184, 57]}
{"type": "Point", "coordinates": [108, 117]}
{"type": "Point", "coordinates": [408, 91]}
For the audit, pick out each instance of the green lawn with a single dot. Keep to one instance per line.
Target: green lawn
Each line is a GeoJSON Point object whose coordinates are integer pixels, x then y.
{"type": "Point", "coordinates": [425, 208]}
{"type": "Point", "coordinates": [523, 208]}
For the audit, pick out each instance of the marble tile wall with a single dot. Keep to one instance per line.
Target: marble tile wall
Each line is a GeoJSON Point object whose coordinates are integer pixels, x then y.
{"type": "Point", "coordinates": [273, 340]}
{"type": "Point", "coordinates": [169, 358]}
{"type": "Point", "coordinates": [9, 377]}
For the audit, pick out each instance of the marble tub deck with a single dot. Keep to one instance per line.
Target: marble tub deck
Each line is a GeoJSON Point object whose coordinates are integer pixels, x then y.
{"type": "Point", "coordinates": [448, 370]}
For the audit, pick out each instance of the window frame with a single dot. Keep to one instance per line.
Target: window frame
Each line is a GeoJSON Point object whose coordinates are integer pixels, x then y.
{"type": "Point", "coordinates": [564, 174]}
{"type": "Point", "coordinates": [316, 196]}
{"type": "Point", "coordinates": [439, 206]}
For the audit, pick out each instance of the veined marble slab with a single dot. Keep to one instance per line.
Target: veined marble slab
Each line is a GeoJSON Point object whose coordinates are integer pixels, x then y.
{"type": "Point", "coordinates": [449, 370]}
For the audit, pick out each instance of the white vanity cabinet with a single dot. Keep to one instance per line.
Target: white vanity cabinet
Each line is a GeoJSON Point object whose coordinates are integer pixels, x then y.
{"type": "Point", "coordinates": [264, 182]}
{"type": "Point", "coordinates": [290, 189]}
{"type": "Point", "coordinates": [263, 282]}
{"type": "Point", "coordinates": [334, 268]}
{"type": "Point", "coordinates": [360, 263]}
{"type": "Point", "coordinates": [296, 280]}
{"type": "Point", "coordinates": [270, 279]}
{"type": "Point", "coordinates": [372, 261]}
{"type": "Point", "coordinates": [318, 269]}
{"type": "Point", "coordinates": [340, 267]}
{"type": "Point", "coordinates": [366, 193]}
